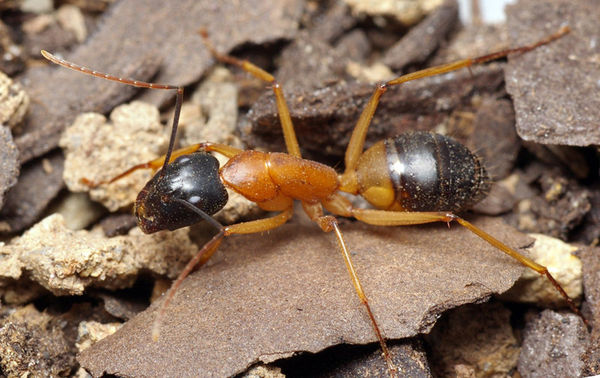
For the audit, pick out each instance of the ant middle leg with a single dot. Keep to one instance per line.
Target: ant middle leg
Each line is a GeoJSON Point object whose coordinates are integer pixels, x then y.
{"type": "Point", "coordinates": [328, 223]}
{"type": "Point", "coordinates": [289, 135]}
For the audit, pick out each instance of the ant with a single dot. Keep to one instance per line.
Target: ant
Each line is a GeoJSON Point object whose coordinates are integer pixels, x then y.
{"type": "Point", "coordinates": [411, 179]}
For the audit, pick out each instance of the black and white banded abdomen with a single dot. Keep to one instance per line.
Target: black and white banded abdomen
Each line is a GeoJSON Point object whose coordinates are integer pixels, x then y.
{"type": "Point", "coordinates": [421, 171]}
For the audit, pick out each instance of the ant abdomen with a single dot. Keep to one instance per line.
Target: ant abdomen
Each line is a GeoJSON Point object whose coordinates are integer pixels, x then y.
{"type": "Point", "coordinates": [421, 171]}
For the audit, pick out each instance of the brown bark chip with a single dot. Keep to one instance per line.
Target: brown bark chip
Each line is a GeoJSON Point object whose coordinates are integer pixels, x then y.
{"type": "Point", "coordinates": [267, 297]}
{"type": "Point", "coordinates": [555, 87]}
{"type": "Point", "coordinates": [409, 357]}
{"type": "Point", "coordinates": [423, 39]}
{"type": "Point", "coordinates": [494, 137]}
{"type": "Point", "coordinates": [324, 119]}
{"type": "Point", "coordinates": [590, 258]}
{"type": "Point", "coordinates": [25, 202]}
{"type": "Point", "coordinates": [165, 41]}
{"type": "Point", "coordinates": [9, 162]}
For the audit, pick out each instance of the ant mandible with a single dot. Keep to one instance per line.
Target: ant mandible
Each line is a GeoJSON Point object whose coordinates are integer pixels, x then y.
{"type": "Point", "coordinates": [413, 178]}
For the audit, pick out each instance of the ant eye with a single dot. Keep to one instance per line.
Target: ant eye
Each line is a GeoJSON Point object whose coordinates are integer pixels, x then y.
{"type": "Point", "coordinates": [194, 200]}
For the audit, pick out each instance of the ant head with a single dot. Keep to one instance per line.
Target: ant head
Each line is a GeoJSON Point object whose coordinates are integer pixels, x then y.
{"type": "Point", "coordinates": [191, 178]}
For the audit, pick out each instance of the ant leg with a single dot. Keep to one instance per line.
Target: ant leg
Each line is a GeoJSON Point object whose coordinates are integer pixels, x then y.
{"type": "Point", "coordinates": [357, 140]}
{"type": "Point", "coordinates": [339, 205]}
{"type": "Point", "coordinates": [155, 164]}
{"type": "Point", "coordinates": [289, 135]}
{"type": "Point", "coordinates": [328, 223]}
{"type": "Point", "coordinates": [396, 218]}
{"type": "Point", "coordinates": [251, 227]}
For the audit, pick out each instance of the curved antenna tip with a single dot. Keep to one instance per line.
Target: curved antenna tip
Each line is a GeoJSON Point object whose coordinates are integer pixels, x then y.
{"type": "Point", "coordinates": [565, 29]}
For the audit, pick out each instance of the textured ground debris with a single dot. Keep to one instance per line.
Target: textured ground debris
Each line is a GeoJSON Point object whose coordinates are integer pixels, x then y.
{"type": "Point", "coordinates": [33, 343]}
{"type": "Point", "coordinates": [494, 136]}
{"type": "Point", "coordinates": [91, 332]}
{"type": "Point", "coordinates": [553, 345]}
{"type": "Point", "coordinates": [422, 40]}
{"type": "Point", "coordinates": [408, 279]}
{"type": "Point", "coordinates": [590, 258]}
{"type": "Point", "coordinates": [407, 12]}
{"type": "Point", "coordinates": [562, 263]}
{"type": "Point", "coordinates": [13, 102]}
{"type": "Point", "coordinates": [25, 203]}
{"type": "Point", "coordinates": [212, 111]}
{"type": "Point", "coordinates": [98, 150]}
{"type": "Point", "coordinates": [554, 204]}
{"type": "Point", "coordinates": [276, 295]}
{"type": "Point", "coordinates": [174, 44]}
{"type": "Point", "coordinates": [9, 162]}
{"type": "Point", "coordinates": [58, 31]}
{"type": "Point", "coordinates": [168, 43]}
{"type": "Point", "coordinates": [564, 108]}
{"type": "Point", "coordinates": [43, 343]}
{"type": "Point", "coordinates": [11, 60]}
{"type": "Point", "coordinates": [13, 105]}
{"type": "Point", "coordinates": [78, 210]}
{"type": "Point", "coordinates": [474, 340]}
{"type": "Point", "coordinates": [65, 262]}
{"type": "Point", "coordinates": [409, 356]}
{"type": "Point", "coordinates": [324, 119]}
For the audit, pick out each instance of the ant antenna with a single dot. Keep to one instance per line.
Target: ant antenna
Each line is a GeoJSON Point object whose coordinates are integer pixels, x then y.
{"type": "Point", "coordinates": [136, 83]}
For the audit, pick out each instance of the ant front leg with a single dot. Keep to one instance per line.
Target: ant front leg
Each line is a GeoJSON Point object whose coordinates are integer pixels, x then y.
{"type": "Point", "coordinates": [155, 164]}
{"type": "Point", "coordinates": [289, 135]}
{"type": "Point", "coordinates": [204, 254]}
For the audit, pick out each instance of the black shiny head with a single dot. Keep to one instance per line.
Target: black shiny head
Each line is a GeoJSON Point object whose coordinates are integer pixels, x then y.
{"type": "Point", "coordinates": [192, 178]}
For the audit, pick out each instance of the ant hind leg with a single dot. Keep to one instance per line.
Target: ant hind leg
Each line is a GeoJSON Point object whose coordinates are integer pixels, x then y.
{"type": "Point", "coordinates": [395, 218]}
